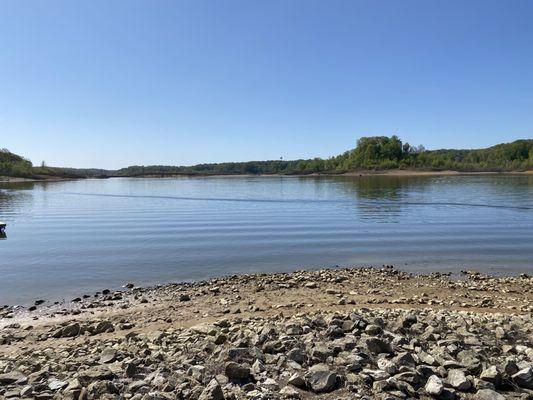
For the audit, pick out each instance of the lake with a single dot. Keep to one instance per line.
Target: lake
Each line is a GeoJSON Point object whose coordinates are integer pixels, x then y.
{"type": "Point", "coordinates": [65, 239]}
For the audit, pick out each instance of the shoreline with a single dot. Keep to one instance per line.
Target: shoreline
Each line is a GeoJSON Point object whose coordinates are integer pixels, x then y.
{"type": "Point", "coordinates": [72, 301]}
{"type": "Point", "coordinates": [364, 173]}
{"type": "Point", "coordinates": [13, 179]}
{"type": "Point", "coordinates": [328, 334]}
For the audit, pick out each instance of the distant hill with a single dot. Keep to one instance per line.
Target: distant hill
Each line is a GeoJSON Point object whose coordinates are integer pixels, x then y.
{"type": "Point", "coordinates": [370, 153]}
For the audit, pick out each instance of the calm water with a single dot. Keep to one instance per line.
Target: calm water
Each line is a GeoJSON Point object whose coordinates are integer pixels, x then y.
{"type": "Point", "coordinates": [69, 238]}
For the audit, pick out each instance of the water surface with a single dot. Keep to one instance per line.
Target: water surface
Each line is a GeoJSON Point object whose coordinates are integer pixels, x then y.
{"type": "Point", "coordinates": [69, 238]}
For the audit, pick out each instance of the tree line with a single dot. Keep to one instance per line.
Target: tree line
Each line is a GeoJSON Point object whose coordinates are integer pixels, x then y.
{"type": "Point", "coordinates": [370, 153]}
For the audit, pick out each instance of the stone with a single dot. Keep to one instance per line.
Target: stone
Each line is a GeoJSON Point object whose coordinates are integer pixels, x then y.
{"type": "Point", "coordinates": [98, 389]}
{"type": "Point", "coordinates": [236, 371]}
{"type": "Point", "coordinates": [297, 381]}
{"type": "Point", "coordinates": [270, 384]}
{"type": "Point", "coordinates": [97, 373]}
{"type": "Point", "coordinates": [56, 384]}
{"type": "Point", "coordinates": [70, 330]}
{"type": "Point", "coordinates": [320, 379]}
{"type": "Point", "coordinates": [212, 391]}
{"type": "Point", "coordinates": [492, 375]}
{"type": "Point", "coordinates": [108, 355]}
{"type": "Point", "coordinates": [434, 386]}
{"type": "Point", "coordinates": [457, 379]}
{"type": "Point", "coordinates": [488, 394]}
{"type": "Point", "coordinates": [524, 378]}
{"type": "Point", "coordinates": [373, 329]}
{"type": "Point", "coordinates": [289, 393]}
{"type": "Point", "coordinates": [12, 377]}
{"type": "Point", "coordinates": [377, 345]}
{"type": "Point", "coordinates": [104, 327]}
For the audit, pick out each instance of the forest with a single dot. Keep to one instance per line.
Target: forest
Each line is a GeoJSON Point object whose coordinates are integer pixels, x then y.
{"type": "Point", "coordinates": [372, 153]}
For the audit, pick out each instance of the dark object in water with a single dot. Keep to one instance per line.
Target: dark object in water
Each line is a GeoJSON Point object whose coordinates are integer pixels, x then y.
{"type": "Point", "coordinates": [2, 227]}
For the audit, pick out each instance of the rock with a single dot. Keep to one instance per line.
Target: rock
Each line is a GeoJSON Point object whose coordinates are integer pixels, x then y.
{"type": "Point", "coordinates": [492, 375]}
{"type": "Point", "coordinates": [108, 355]}
{"type": "Point", "coordinates": [104, 327]}
{"type": "Point", "coordinates": [236, 371]}
{"type": "Point", "coordinates": [26, 391]}
{"type": "Point", "coordinates": [131, 370]}
{"type": "Point", "coordinates": [373, 329]}
{"type": "Point", "coordinates": [434, 386]}
{"type": "Point", "coordinates": [184, 297]}
{"type": "Point", "coordinates": [289, 393]}
{"type": "Point", "coordinates": [73, 384]}
{"type": "Point", "coordinates": [488, 394]}
{"type": "Point", "coordinates": [220, 339]}
{"type": "Point", "coordinates": [297, 381]}
{"type": "Point", "coordinates": [270, 384]}
{"type": "Point", "coordinates": [98, 389]}
{"type": "Point", "coordinates": [297, 355]}
{"type": "Point", "coordinates": [213, 391]}
{"type": "Point", "coordinates": [457, 379]}
{"type": "Point", "coordinates": [258, 367]}
{"type": "Point", "coordinates": [524, 378]}
{"type": "Point", "coordinates": [12, 377]}
{"type": "Point", "coordinates": [97, 373]}
{"type": "Point", "coordinates": [320, 379]}
{"type": "Point", "coordinates": [56, 384]}
{"type": "Point", "coordinates": [377, 345]}
{"type": "Point", "coordinates": [70, 330]}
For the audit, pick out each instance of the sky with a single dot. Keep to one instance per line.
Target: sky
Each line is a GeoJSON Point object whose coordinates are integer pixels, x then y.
{"type": "Point", "coordinates": [112, 83]}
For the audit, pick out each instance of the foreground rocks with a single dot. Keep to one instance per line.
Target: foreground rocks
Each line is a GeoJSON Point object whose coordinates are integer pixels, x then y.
{"type": "Point", "coordinates": [344, 351]}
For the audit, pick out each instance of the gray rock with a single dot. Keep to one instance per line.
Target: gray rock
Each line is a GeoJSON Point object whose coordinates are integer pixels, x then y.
{"type": "Point", "coordinates": [373, 329]}
{"type": "Point", "coordinates": [320, 379]}
{"type": "Point", "coordinates": [458, 380]}
{"type": "Point", "coordinates": [12, 377]}
{"type": "Point", "coordinates": [97, 390]}
{"type": "Point", "coordinates": [434, 386]}
{"type": "Point", "coordinates": [297, 381]}
{"type": "Point", "coordinates": [103, 327]}
{"type": "Point", "coordinates": [71, 330]}
{"type": "Point", "coordinates": [95, 374]}
{"type": "Point", "coordinates": [56, 384]}
{"type": "Point", "coordinates": [213, 391]}
{"type": "Point", "coordinates": [488, 394]}
{"type": "Point", "coordinates": [108, 355]}
{"type": "Point", "coordinates": [492, 375]}
{"type": "Point", "coordinates": [297, 355]}
{"type": "Point", "coordinates": [289, 393]}
{"type": "Point", "coordinates": [377, 345]}
{"type": "Point", "coordinates": [524, 378]}
{"type": "Point", "coordinates": [236, 371]}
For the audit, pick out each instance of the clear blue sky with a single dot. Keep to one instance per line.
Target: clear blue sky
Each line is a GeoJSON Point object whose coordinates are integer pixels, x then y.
{"type": "Point", "coordinates": [112, 83]}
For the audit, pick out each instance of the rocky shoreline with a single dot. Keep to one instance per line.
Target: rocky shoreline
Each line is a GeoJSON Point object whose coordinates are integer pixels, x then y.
{"type": "Point", "coordinates": [352, 333]}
